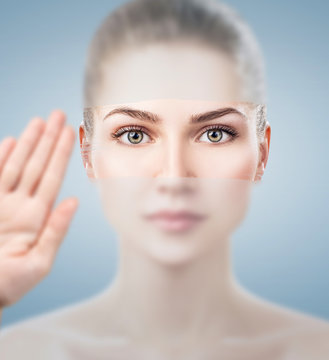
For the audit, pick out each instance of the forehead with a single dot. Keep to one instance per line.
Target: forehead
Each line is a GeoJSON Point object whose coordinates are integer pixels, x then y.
{"type": "Point", "coordinates": [169, 70]}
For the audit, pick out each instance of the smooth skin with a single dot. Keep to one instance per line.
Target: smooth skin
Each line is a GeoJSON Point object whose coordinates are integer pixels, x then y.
{"type": "Point", "coordinates": [32, 169]}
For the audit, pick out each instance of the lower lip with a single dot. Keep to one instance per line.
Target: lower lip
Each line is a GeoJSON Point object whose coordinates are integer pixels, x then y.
{"type": "Point", "coordinates": [180, 224]}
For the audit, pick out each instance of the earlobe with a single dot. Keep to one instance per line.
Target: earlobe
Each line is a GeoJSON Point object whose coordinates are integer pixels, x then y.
{"type": "Point", "coordinates": [264, 148]}
{"type": "Point", "coordinates": [90, 171]}
{"type": "Point", "coordinates": [85, 153]}
{"type": "Point", "coordinates": [262, 163]}
{"type": "Point", "coordinates": [267, 140]}
{"type": "Point", "coordinates": [260, 172]}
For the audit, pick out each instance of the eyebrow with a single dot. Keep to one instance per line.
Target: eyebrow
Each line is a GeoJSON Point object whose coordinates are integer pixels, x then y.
{"type": "Point", "coordinates": [156, 119]}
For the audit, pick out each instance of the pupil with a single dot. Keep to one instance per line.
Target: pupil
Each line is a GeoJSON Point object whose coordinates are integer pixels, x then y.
{"type": "Point", "coordinates": [216, 137]}
{"type": "Point", "coordinates": [133, 137]}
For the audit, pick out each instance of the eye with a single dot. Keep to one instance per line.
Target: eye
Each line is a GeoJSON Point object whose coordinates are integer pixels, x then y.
{"type": "Point", "coordinates": [135, 134]}
{"type": "Point", "coordinates": [213, 133]}
{"type": "Point", "coordinates": [219, 134]}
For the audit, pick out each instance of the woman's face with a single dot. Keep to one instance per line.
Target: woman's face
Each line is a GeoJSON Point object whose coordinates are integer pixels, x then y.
{"type": "Point", "coordinates": [191, 145]}
{"type": "Point", "coordinates": [176, 138]}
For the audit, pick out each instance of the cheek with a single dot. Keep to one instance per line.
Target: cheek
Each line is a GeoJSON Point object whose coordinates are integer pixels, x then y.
{"type": "Point", "coordinates": [121, 200]}
{"type": "Point", "coordinates": [110, 163]}
{"type": "Point", "coordinates": [227, 201]}
{"type": "Point", "coordinates": [231, 161]}
{"type": "Point", "coordinates": [237, 163]}
{"type": "Point", "coordinates": [242, 163]}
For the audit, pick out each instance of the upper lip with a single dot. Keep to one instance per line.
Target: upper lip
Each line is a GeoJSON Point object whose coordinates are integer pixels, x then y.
{"type": "Point", "coordinates": [171, 215]}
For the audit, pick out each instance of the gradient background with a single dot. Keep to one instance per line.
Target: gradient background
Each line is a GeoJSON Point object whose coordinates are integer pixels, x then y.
{"type": "Point", "coordinates": [281, 250]}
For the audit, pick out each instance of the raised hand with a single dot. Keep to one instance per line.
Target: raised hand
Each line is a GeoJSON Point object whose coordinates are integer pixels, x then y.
{"type": "Point", "coordinates": [32, 169]}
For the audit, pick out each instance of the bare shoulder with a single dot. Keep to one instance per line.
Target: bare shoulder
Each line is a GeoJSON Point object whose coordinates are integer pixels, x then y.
{"type": "Point", "coordinates": [311, 342]}
{"type": "Point", "coordinates": [302, 336]}
{"type": "Point", "coordinates": [76, 331]}
{"type": "Point", "coordinates": [38, 334]}
{"type": "Point", "coordinates": [22, 339]}
{"type": "Point", "coordinates": [55, 333]}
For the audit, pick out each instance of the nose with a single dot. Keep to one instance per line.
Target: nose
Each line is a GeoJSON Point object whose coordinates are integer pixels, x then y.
{"type": "Point", "coordinates": [175, 161]}
{"type": "Point", "coordinates": [176, 187]}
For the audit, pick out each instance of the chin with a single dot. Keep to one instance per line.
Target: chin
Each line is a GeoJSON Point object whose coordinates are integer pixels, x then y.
{"type": "Point", "coordinates": [172, 254]}
{"type": "Point", "coordinates": [176, 250]}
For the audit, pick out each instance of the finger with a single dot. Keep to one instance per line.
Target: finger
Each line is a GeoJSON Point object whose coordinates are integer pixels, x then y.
{"type": "Point", "coordinates": [44, 252]}
{"type": "Point", "coordinates": [38, 161]}
{"type": "Point", "coordinates": [18, 157]}
{"type": "Point", "coordinates": [54, 174]}
{"type": "Point", "coordinates": [6, 146]}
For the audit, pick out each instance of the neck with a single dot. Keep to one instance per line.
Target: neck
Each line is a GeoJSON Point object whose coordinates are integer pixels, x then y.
{"type": "Point", "coordinates": [171, 302]}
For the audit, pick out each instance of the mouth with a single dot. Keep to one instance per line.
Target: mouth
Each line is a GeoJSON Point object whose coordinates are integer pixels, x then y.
{"type": "Point", "coordinates": [175, 221]}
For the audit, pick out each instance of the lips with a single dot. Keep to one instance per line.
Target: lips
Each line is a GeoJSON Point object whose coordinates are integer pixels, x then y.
{"type": "Point", "coordinates": [178, 215]}
{"type": "Point", "coordinates": [175, 221]}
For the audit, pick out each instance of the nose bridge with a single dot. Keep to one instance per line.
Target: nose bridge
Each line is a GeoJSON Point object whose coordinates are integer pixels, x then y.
{"type": "Point", "coordinates": [175, 159]}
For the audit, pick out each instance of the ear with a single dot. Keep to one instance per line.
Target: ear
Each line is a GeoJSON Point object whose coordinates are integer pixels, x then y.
{"type": "Point", "coordinates": [85, 152]}
{"type": "Point", "coordinates": [264, 148]}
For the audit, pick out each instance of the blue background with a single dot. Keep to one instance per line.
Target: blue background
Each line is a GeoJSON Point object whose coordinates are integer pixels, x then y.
{"type": "Point", "coordinates": [281, 250]}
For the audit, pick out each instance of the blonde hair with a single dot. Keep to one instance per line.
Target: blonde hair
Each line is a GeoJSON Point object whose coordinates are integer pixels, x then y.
{"type": "Point", "coordinates": [147, 21]}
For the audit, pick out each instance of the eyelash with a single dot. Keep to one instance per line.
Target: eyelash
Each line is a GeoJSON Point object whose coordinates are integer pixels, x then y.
{"type": "Point", "coordinates": [233, 133]}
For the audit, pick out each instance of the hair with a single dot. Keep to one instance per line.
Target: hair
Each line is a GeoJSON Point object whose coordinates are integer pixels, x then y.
{"type": "Point", "coordinates": [151, 21]}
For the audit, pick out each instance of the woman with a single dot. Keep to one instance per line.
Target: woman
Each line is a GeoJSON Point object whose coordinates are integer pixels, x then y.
{"type": "Point", "coordinates": [185, 80]}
